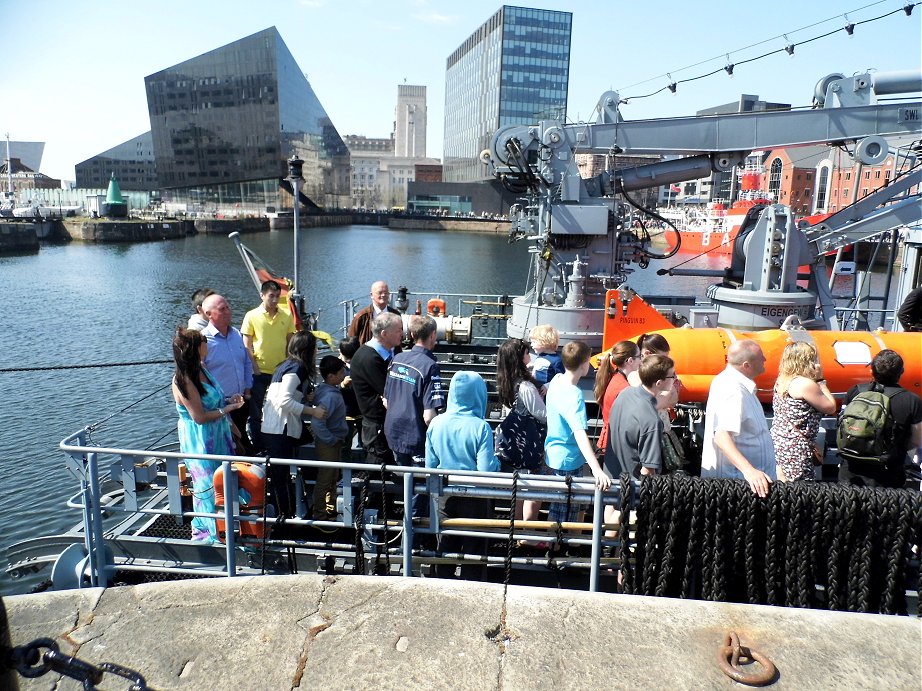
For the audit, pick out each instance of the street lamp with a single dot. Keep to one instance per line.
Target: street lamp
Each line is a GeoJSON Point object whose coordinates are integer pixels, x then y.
{"type": "Point", "coordinates": [295, 177]}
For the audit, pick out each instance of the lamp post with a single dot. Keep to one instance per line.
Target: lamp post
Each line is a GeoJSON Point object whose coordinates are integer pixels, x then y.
{"type": "Point", "coordinates": [295, 178]}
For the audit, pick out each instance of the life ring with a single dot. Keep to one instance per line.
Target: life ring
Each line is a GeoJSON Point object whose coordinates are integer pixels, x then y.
{"type": "Point", "coordinates": [436, 307]}
{"type": "Point", "coordinates": [251, 481]}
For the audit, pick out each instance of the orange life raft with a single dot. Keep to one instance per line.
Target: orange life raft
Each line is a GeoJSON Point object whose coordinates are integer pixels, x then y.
{"type": "Point", "coordinates": [701, 353]}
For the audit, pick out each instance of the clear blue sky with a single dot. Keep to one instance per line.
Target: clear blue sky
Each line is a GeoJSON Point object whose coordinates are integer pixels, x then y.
{"type": "Point", "coordinates": [73, 73]}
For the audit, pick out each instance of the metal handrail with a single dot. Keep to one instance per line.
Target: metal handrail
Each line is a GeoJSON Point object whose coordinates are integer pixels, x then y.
{"type": "Point", "coordinates": [85, 461]}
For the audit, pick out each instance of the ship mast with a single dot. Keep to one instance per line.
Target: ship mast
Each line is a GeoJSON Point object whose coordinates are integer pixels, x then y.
{"type": "Point", "coordinates": [9, 169]}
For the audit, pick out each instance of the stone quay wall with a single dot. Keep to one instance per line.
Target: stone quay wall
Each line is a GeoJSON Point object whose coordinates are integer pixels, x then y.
{"type": "Point", "coordinates": [18, 237]}
{"type": "Point", "coordinates": [363, 632]}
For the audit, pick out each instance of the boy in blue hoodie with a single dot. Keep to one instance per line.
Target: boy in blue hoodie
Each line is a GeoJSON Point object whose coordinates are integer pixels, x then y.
{"type": "Point", "coordinates": [461, 439]}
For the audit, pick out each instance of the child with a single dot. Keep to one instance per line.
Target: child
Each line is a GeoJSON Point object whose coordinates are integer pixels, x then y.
{"type": "Point", "coordinates": [329, 435]}
{"type": "Point", "coordinates": [547, 363]}
{"type": "Point", "coordinates": [567, 446]}
{"type": "Point", "coordinates": [462, 439]}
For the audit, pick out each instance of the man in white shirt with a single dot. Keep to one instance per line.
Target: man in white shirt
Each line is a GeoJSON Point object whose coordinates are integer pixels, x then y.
{"type": "Point", "coordinates": [737, 442]}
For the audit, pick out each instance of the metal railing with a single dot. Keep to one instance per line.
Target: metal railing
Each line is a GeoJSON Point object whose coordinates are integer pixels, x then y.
{"type": "Point", "coordinates": [89, 462]}
{"type": "Point", "coordinates": [489, 312]}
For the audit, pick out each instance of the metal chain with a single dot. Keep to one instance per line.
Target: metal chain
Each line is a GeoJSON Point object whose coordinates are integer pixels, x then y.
{"type": "Point", "coordinates": [43, 655]}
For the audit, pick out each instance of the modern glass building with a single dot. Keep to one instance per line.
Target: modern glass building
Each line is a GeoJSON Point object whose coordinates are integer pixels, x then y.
{"type": "Point", "coordinates": [225, 123]}
{"type": "Point", "coordinates": [513, 70]}
{"type": "Point", "coordinates": [132, 162]}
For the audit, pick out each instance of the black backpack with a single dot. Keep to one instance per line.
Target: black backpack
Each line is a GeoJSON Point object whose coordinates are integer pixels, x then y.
{"type": "Point", "coordinates": [865, 428]}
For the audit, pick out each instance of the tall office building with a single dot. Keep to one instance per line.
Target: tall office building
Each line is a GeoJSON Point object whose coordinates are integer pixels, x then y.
{"type": "Point", "coordinates": [224, 124]}
{"type": "Point", "coordinates": [410, 121]}
{"type": "Point", "coordinates": [513, 70]}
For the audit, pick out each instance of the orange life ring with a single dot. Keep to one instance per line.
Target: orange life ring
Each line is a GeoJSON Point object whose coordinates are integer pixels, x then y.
{"type": "Point", "coordinates": [251, 480]}
{"type": "Point", "coordinates": [436, 307]}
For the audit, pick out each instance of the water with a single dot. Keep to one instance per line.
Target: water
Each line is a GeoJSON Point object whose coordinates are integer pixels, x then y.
{"type": "Point", "coordinates": [79, 304]}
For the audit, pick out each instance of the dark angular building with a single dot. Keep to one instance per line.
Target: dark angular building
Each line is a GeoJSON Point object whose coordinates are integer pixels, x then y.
{"type": "Point", "coordinates": [225, 123]}
{"type": "Point", "coordinates": [513, 70]}
{"type": "Point", "coordinates": [132, 162]}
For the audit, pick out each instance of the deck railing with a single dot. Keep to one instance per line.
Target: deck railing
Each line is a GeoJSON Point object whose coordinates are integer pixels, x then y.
{"type": "Point", "coordinates": [90, 464]}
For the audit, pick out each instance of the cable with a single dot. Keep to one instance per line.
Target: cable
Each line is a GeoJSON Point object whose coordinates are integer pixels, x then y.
{"type": "Point", "coordinates": [673, 83]}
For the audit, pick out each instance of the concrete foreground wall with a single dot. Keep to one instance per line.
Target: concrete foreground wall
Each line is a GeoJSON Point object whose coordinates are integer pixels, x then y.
{"type": "Point", "coordinates": [286, 632]}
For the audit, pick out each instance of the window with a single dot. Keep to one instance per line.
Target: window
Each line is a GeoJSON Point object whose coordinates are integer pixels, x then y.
{"type": "Point", "coordinates": [774, 178]}
{"type": "Point", "coordinates": [822, 188]}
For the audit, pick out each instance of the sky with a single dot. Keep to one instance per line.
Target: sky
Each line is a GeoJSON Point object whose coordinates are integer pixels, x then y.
{"type": "Point", "coordinates": [74, 72]}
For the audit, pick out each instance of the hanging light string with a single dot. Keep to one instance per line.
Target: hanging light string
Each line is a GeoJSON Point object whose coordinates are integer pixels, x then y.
{"type": "Point", "coordinates": [788, 48]}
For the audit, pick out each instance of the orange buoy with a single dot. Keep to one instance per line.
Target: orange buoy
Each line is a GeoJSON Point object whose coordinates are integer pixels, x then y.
{"type": "Point", "coordinates": [251, 480]}
{"type": "Point", "coordinates": [436, 307]}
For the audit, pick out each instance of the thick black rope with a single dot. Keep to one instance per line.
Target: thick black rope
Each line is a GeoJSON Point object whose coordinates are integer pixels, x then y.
{"type": "Point", "coordinates": [557, 547]}
{"type": "Point", "coordinates": [856, 543]}
{"type": "Point", "coordinates": [383, 545]}
{"type": "Point", "coordinates": [359, 525]}
{"type": "Point", "coordinates": [625, 501]}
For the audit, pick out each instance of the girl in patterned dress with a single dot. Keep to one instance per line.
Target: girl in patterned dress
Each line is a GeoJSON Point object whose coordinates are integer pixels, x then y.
{"type": "Point", "coordinates": [800, 400]}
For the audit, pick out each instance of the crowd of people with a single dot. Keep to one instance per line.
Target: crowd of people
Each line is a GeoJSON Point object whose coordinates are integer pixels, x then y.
{"type": "Point", "coordinates": [252, 391]}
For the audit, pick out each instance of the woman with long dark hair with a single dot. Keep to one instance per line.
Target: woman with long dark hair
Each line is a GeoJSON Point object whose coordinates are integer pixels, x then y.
{"type": "Point", "coordinates": [203, 423]}
{"type": "Point", "coordinates": [516, 386]}
{"type": "Point", "coordinates": [285, 412]}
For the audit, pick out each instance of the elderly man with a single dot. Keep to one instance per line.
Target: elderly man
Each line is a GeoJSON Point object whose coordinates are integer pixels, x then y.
{"type": "Point", "coordinates": [369, 375]}
{"type": "Point", "coordinates": [361, 324]}
{"type": "Point", "coordinates": [228, 360]}
{"type": "Point", "coordinates": [737, 442]}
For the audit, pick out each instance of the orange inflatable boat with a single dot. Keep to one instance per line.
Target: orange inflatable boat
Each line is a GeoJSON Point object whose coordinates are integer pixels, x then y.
{"type": "Point", "coordinates": [701, 353]}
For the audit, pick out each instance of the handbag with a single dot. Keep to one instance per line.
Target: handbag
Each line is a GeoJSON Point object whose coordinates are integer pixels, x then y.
{"type": "Point", "coordinates": [673, 451]}
{"type": "Point", "coordinates": [519, 439]}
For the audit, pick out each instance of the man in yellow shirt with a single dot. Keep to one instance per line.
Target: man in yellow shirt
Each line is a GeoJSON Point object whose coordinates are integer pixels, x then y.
{"type": "Point", "coordinates": [266, 331]}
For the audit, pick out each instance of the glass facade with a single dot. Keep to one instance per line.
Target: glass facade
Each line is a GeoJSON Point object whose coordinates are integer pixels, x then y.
{"type": "Point", "coordinates": [225, 123]}
{"type": "Point", "coordinates": [132, 162]}
{"type": "Point", "coordinates": [514, 70]}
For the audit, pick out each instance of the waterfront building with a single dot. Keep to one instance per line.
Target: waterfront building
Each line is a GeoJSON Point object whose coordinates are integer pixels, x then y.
{"type": "Point", "coordinates": [824, 179]}
{"type": "Point", "coordinates": [131, 162]}
{"type": "Point", "coordinates": [410, 121]}
{"type": "Point", "coordinates": [383, 167]}
{"type": "Point", "coordinates": [513, 70]}
{"type": "Point", "coordinates": [25, 180]}
{"type": "Point", "coordinates": [224, 124]}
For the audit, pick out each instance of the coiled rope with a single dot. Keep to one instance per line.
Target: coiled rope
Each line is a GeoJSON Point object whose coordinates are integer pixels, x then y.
{"type": "Point", "coordinates": [820, 545]}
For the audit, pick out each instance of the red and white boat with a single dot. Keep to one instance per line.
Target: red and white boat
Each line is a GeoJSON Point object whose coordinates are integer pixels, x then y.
{"type": "Point", "coordinates": [712, 228]}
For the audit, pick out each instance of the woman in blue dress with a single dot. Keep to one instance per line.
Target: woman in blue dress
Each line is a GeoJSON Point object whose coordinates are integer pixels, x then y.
{"type": "Point", "coordinates": [203, 423]}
